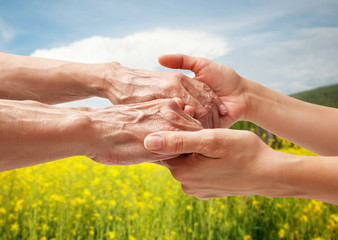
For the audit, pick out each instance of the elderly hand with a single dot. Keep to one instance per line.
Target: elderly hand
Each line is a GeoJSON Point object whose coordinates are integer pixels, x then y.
{"type": "Point", "coordinates": [53, 81]}
{"type": "Point", "coordinates": [119, 131]}
{"type": "Point", "coordinates": [217, 162]}
{"type": "Point", "coordinates": [124, 85]}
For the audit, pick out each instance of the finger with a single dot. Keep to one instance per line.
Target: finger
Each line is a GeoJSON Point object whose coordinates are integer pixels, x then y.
{"type": "Point", "coordinates": [189, 110]}
{"type": "Point", "coordinates": [175, 142]}
{"type": "Point", "coordinates": [179, 61]}
{"type": "Point", "coordinates": [215, 117]}
{"type": "Point", "coordinates": [190, 84]}
{"type": "Point", "coordinates": [189, 127]}
{"type": "Point", "coordinates": [222, 109]}
{"type": "Point", "coordinates": [179, 102]}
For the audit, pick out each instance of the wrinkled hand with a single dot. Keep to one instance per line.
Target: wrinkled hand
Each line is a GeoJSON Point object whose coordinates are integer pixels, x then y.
{"type": "Point", "coordinates": [124, 85]}
{"type": "Point", "coordinates": [221, 162]}
{"type": "Point", "coordinates": [224, 81]}
{"type": "Point", "coordinates": [119, 130]}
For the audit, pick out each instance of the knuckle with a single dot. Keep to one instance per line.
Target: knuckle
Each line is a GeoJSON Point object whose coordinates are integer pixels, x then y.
{"type": "Point", "coordinates": [178, 76]}
{"type": "Point", "coordinates": [208, 143]}
{"type": "Point", "coordinates": [174, 84]}
{"type": "Point", "coordinates": [170, 105]}
{"type": "Point", "coordinates": [170, 117]}
{"type": "Point", "coordinates": [202, 113]}
{"type": "Point", "coordinates": [206, 88]}
{"type": "Point", "coordinates": [177, 143]}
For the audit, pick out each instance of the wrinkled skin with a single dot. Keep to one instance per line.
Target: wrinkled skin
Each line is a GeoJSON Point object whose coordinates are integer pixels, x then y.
{"type": "Point", "coordinates": [124, 85]}
{"type": "Point", "coordinates": [121, 129]}
{"type": "Point", "coordinates": [224, 81]}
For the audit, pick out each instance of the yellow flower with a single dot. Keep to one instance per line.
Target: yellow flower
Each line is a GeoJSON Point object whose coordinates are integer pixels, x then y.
{"type": "Point", "coordinates": [189, 207]}
{"type": "Point", "coordinates": [111, 235]}
{"type": "Point", "coordinates": [12, 216]}
{"type": "Point", "coordinates": [45, 227]}
{"type": "Point", "coordinates": [189, 230]}
{"type": "Point", "coordinates": [14, 227]}
{"type": "Point", "coordinates": [133, 216]}
{"type": "Point", "coordinates": [96, 182]}
{"type": "Point", "coordinates": [255, 202]}
{"type": "Point", "coordinates": [2, 211]}
{"type": "Point", "coordinates": [98, 203]}
{"type": "Point", "coordinates": [247, 237]}
{"type": "Point", "coordinates": [131, 237]}
{"type": "Point", "coordinates": [286, 226]}
{"type": "Point", "coordinates": [86, 193]}
{"type": "Point", "coordinates": [281, 233]}
{"type": "Point", "coordinates": [304, 218]}
{"type": "Point", "coordinates": [333, 222]}
{"type": "Point", "coordinates": [278, 205]}
{"type": "Point", "coordinates": [112, 203]}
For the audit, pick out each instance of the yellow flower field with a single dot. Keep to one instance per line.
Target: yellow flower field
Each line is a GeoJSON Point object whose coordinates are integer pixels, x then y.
{"type": "Point", "coordinates": [76, 198]}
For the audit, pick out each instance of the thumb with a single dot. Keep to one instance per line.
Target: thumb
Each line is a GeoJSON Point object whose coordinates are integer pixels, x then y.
{"type": "Point", "coordinates": [174, 142]}
{"type": "Point", "coordinates": [178, 61]}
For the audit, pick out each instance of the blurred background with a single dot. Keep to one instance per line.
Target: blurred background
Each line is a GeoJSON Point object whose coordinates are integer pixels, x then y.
{"type": "Point", "coordinates": [289, 46]}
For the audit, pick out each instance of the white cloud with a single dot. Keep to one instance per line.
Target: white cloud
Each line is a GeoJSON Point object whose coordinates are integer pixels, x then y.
{"type": "Point", "coordinates": [139, 50]}
{"type": "Point", "coordinates": [310, 60]}
{"type": "Point", "coordinates": [6, 32]}
{"type": "Point", "coordinates": [301, 60]}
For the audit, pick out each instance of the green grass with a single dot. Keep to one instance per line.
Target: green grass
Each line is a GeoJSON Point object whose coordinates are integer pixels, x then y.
{"type": "Point", "coordinates": [326, 96]}
{"type": "Point", "coordinates": [79, 199]}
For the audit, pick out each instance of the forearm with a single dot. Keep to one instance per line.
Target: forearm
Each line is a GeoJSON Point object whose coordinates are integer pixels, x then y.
{"type": "Point", "coordinates": [294, 120]}
{"type": "Point", "coordinates": [305, 177]}
{"type": "Point", "coordinates": [32, 133]}
{"type": "Point", "coordinates": [48, 81]}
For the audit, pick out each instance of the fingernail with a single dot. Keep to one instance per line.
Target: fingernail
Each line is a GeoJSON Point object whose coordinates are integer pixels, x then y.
{"type": "Point", "coordinates": [153, 143]}
{"type": "Point", "coordinates": [223, 109]}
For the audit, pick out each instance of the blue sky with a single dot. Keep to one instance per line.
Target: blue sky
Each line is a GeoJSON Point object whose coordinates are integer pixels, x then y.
{"type": "Point", "coordinates": [289, 46]}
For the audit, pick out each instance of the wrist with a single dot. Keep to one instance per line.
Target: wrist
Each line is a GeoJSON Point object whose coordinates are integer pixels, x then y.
{"type": "Point", "coordinates": [279, 178]}
{"type": "Point", "coordinates": [253, 97]}
{"type": "Point", "coordinates": [89, 78]}
{"type": "Point", "coordinates": [103, 79]}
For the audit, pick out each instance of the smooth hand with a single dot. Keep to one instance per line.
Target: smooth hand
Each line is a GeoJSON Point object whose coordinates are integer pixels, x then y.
{"type": "Point", "coordinates": [216, 162]}
{"type": "Point", "coordinates": [224, 81]}
{"type": "Point", "coordinates": [119, 131]}
{"type": "Point", "coordinates": [124, 85]}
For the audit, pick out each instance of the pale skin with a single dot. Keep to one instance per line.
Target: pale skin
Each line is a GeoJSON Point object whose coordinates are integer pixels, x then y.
{"type": "Point", "coordinates": [33, 132]}
{"type": "Point", "coordinates": [227, 162]}
{"type": "Point", "coordinates": [53, 81]}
